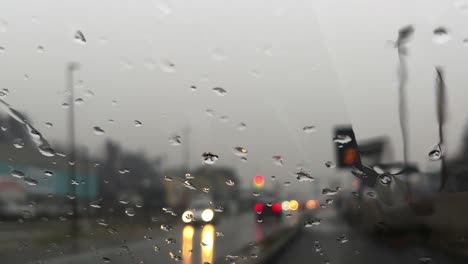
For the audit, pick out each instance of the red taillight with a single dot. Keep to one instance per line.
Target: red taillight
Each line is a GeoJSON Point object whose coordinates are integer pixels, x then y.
{"type": "Point", "coordinates": [258, 207]}
{"type": "Point", "coordinates": [276, 208]}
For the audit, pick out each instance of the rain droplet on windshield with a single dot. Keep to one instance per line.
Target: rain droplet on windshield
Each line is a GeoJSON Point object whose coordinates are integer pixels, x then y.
{"type": "Point", "coordinates": [242, 126]}
{"type": "Point", "coordinates": [102, 222]}
{"type": "Point", "coordinates": [137, 123]}
{"type": "Point", "coordinates": [385, 179]}
{"type": "Point", "coordinates": [209, 112]}
{"type": "Point", "coordinates": [329, 201]}
{"type": "Point", "coordinates": [167, 66]}
{"type": "Point", "coordinates": [287, 183]}
{"type": "Point", "coordinates": [48, 124]}
{"type": "Point", "coordinates": [328, 191]}
{"type": "Point", "coordinates": [79, 101]}
{"type": "Point", "coordinates": [303, 176]}
{"type": "Point", "coordinates": [342, 139]}
{"type": "Point", "coordinates": [79, 37]}
{"type": "Point", "coordinates": [30, 181]}
{"type": "Point", "coordinates": [4, 92]}
{"type": "Point", "coordinates": [17, 174]}
{"type": "Point", "coordinates": [218, 54]}
{"type": "Point", "coordinates": [18, 143]}
{"type": "Point", "coordinates": [98, 131]}
{"type": "Point", "coordinates": [48, 173]}
{"type": "Point", "coordinates": [230, 183]}
{"type": "Point", "coordinates": [278, 160]}
{"type": "Point", "coordinates": [240, 151]}
{"type": "Point", "coordinates": [441, 35]}
{"type": "Point", "coordinates": [435, 153]}
{"type": "Point", "coordinates": [89, 93]}
{"type": "Point", "coordinates": [309, 129]}
{"type": "Point", "coordinates": [209, 158]}
{"type": "Point", "coordinates": [193, 88]}
{"type": "Point", "coordinates": [166, 228]}
{"type": "Point", "coordinates": [219, 91]}
{"type": "Point", "coordinates": [175, 140]}
{"type": "Point", "coordinates": [342, 239]}
{"type": "Point", "coordinates": [130, 211]}
{"type": "Point", "coordinates": [106, 260]}
{"type": "Point", "coordinates": [313, 222]}
{"type": "Point", "coordinates": [167, 178]}
{"type": "Point", "coordinates": [330, 164]}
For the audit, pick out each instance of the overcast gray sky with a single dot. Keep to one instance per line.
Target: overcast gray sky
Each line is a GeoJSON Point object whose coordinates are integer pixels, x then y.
{"type": "Point", "coordinates": [284, 65]}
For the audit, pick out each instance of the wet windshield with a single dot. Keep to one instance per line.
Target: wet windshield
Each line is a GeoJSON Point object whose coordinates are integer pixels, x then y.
{"type": "Point", "coordinates": [243, 131]}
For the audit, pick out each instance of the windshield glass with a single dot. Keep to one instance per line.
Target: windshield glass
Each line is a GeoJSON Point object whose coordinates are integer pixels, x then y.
{"type": "Point", "coordinates": [165, 131]}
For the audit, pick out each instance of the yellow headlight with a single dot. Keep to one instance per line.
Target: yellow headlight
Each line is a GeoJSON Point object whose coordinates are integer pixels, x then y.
{"type": "Point", "coordinates": [207, 215]}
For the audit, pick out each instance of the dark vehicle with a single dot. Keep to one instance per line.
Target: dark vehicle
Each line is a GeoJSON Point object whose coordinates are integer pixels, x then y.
{"type": "Point", "coordinates": [268, 208]}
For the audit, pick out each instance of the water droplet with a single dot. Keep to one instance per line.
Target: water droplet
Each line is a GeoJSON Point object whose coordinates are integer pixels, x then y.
{"type": "Point", "coordinates": [329, 201]}
{"type": "Point", "coordinates": [96, 204]}
{"type": "Point", "coordinates": [3, 26]}
{"type": "Point", "coordinates": [114, 103]}
{"type": "Point", "coordinates": [98, 131]}
{"type": "Point", "coordinates": [441, 35]}
{"type": "Point", "coordinates": [112, 231]}
{"type": "Point", "coordinates": [206, 189]}
{"type": "Point", "coordinates": [4, 92]}
{"type": "Point", "coordinates": [303, 176]}
{"type": "Point", "coordinates": [435, 153]}
{"type": "Point", "coordinates": [124, 201]}
{"type": "Point", "coordinates": [242, 126]}
{"type": "Point", "coordinates": [243, 159]}
{"type": "Point", "coordinates": [342, 139]}
{"type": "Point", "coordinates": [240, 151]}
{"type": "Point", "coordinates": [48, 173]}
{"type": "Point", "coordinates": [30, 181]}
{"type": "Point", "coordinates": [273, 178]}
{"type": "Point", "coordinates": [385, 179]}
{"type": "Point", "coordinates": [79, 101]}
{"type": "Point", "coordinates": [189, 176]}
{"type": "Point", "coordinates": [167, 178]}
{"type": "Point", "coordinates": [425, 260]}
{"type": "Point", "coordinates": [209, 112]}
{"type": "Point", "coordinates": [193, 88]}
{"type": "Point", "coordinates": [17, 174]}
{"type": "Point", "coordinates": [219, 91]}
{"type": "Point", "coordinates": [330, 164]}
{"type": "Point", "coordinates": [65, 105]}
{"type": "Point", "coordinates": [106, 260]}
{"type": "Point", "coordinates": [219, 234]}
{"type": "Point", "coordinates": [371, 194]}
{"type": "Point", "coordinates": [2, 49]}
{"type": "Point", "coordinates": [89, 93]}
{"type": "Point", "coordinates": [342, 239]}
{"type": "Point", "coordinates": [62, 218]}
{"type": "Point", "coordinates": [230, 183]}
{"type": "Point", "coordinates": [4, 128]}
{"type": "Point", "coordinates": [167, 228]}
{"type": "Point", "coordinates": [18, 143]}
{"type": "Point", "coordinates": [287, 183]}
{"type": "Point", "coordinates": [156, 248]}
{"type": "Point", "coordinates": [278, 160]}
{"type": "Point", "coordinates": [49, 125]}
{"type": "Point", "coordinates": [102, 222]}
{"type": "Point", "coordinates": [209, 158]}
{"type": "Point", "coordinates": [79, 37]}
{"type": "Point", "coordinates": [313, 222]}
{"type": "Point", "coordinates": [328, 191]}
{"type": "Point", "coordinates": [189, 185]}
{"type": "Point", "coordinates": [137, 123]}
{"type": "Point", "coordinates": [170, 241]}
{"type": "Point", "coordinates": [130, 211]}
{"type": "Point", "coordinates": [167, 66]}
{"type": "Point", "coordinates": [218, 54]}
{"type": "Point", "coordinates": [111, 121]}
{"type": "Point", "coordinates": [40, 49]}
{"type": "Point", "coordinates": [224, 118]}
{"type": "Point", "coordinates": [260, 220]}
{"type": "Point", "coordinates": [309, 129]}
{"type": "Point", "coordinates": [256, 194]}
{"type": "Point", "coordinates": [218, 208]}
{"type": "Point", "coordinates": [175, 140]}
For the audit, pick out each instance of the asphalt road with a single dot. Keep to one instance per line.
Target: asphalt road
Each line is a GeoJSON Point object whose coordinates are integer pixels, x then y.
{"type": "Point", "coordinates": [324, 244]}
{"type": "Point", "coordinates": [191, 243]}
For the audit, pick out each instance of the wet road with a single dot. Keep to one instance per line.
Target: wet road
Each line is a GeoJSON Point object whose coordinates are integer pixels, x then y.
{"type": "Point", "coordinates": [319, 244]}
{"type": "Point", "coordinates": [191, 243]}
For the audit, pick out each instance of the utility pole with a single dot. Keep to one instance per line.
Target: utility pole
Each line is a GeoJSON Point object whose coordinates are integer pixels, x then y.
{"type": "Point", "coordinates": [74, 225]}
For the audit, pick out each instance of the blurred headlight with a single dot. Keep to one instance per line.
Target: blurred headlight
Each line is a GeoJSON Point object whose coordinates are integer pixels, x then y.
{"type": "Point", "coordinates": [293, 205]}
{"type": "Point", "coordinates": [187, 216]}
{"type": "Point", "coordinates": [207, 215]}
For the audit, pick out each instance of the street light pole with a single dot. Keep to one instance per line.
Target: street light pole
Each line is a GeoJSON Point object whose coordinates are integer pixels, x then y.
{"type": "Point", "coordinates": [74, 226]}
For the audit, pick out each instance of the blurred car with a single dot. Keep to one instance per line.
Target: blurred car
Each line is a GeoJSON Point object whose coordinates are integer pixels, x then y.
{"type": "Point", "coordinates": [200, 212]}
{"type": "Point", "coordinates": [267, 207]}
{"type": "Point", "coordinates": [14, 209]}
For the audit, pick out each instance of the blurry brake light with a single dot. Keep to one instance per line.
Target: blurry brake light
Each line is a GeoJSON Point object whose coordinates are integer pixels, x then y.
{"type": "Point", "coordinates": [258, 207]}
{"type": "Point", "coordinates": [276, 208]}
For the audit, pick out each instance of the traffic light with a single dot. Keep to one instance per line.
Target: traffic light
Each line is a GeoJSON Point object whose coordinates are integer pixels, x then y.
{"type": "Point", "coordinates": [258, 181]}
{"type": "Point", "coordinates": [347, 153]}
